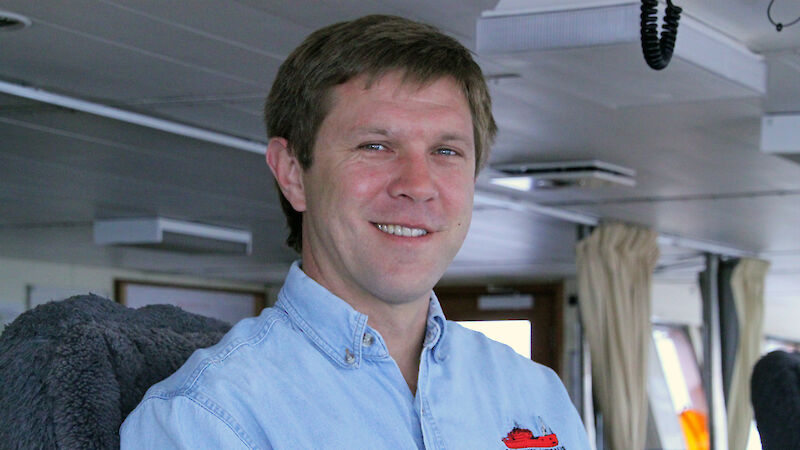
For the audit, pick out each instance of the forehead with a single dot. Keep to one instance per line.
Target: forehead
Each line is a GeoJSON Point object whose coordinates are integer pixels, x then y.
{"type": "Point", "coordinates": [365, 97]}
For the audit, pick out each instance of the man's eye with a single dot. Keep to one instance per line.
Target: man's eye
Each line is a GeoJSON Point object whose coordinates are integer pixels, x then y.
{"type": "Point", "coordinates": [374, 147]}
{"type": "Point", "coordinates": [446, 152]}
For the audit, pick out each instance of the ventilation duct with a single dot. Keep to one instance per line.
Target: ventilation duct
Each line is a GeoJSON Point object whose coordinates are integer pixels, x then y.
{"type": "Point", "coordinates": [555, 175]}
{"type": "Point", "coordinates": [595, 53]}
{"type": "Point", "coordinates": [173, 235]}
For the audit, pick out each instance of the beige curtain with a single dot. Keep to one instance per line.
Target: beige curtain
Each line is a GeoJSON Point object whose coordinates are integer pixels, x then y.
{"type": "Point", "coordinates": [747, 284]}
{"type": "Point", "coordinates": [615, 267]}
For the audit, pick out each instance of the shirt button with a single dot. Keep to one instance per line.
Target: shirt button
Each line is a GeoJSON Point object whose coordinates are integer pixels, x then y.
{"type": "Point", "coordinates": [368, 340]}
{"type": "Point", "coordinates": [348, 357]}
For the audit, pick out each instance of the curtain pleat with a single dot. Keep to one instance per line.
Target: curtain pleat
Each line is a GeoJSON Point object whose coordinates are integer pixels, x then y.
{"type": "Point", "coordinates": [728, 322]}
{"type": "Point", "coordinates": [747, 284]}
{"type": "Point", "coordinates": [615, 267]}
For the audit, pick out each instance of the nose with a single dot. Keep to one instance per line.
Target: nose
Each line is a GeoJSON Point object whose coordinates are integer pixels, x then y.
{"type": "Point", "coordinates": [412, 179]}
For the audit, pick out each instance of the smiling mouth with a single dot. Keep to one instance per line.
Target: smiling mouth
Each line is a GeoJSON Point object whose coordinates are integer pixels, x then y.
{"type": "Point", "coordinates": [399, 230]}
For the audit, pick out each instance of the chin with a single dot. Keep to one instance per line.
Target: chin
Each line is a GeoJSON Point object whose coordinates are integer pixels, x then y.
{"type": "Point", "coordinates": [398, 297]}
{"type": "Point", "coordinates": [398, 289]}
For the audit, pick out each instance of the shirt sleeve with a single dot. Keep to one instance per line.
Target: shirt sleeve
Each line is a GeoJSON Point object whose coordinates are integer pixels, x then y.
{"type": "Point", "coordinates": [176, 423]}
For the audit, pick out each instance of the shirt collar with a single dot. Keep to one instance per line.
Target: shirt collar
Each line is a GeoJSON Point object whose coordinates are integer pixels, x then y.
{"type": "Point", "coordinates": [338, 330]}
{"type": "Point", "coordinates": [436, 329]}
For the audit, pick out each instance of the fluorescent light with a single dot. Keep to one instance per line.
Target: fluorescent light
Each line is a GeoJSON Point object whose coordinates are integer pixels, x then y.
{"type": "Point", "coordinates": [174, 235]}
{"type": "Point", "coordinates": [518, 183]}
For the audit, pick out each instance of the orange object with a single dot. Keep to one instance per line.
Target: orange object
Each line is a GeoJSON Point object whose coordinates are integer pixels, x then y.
{"type": "Point", "coordinates": [695, 429]}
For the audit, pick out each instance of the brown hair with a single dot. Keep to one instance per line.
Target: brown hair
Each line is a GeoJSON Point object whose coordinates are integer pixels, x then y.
{"type": "Point", "coordinates": [372, 45]}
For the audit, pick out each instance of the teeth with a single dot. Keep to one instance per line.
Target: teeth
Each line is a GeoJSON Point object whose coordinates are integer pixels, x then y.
{"type": "Point", "coordinates": [399, 230]}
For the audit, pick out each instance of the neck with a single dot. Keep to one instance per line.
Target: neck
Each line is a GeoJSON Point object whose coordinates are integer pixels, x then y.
{"type": "Point", "coordinates": [402, 324]}
{"type": "Point", "coordinates": [403, 329]}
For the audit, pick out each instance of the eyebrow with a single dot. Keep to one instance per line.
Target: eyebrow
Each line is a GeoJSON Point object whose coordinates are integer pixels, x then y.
{"type": "Point", "coordinates": [455, 137]}
{"type": "Point", "coordinates": [370, 130]}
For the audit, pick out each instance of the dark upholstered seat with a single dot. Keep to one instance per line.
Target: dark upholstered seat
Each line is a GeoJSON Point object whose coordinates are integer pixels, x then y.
{"type": "Point", "coordinates": [775, 393]}
{"type": "Point", "coordinates": [72, 370]}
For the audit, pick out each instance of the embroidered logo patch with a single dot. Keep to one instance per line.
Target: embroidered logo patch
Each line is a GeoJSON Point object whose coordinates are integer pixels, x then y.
{"type": "Point", "coordinates": [541, 437]}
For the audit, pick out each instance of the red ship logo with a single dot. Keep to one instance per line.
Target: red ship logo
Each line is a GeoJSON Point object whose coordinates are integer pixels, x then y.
{"type": "Point", "coordinates": [524, 438]}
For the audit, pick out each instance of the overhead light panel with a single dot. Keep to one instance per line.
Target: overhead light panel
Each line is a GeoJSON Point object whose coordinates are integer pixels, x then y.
{"type": "Point", "coordinates": [173, 235]}
{"type": "Point", "coordinates": [562, 174]}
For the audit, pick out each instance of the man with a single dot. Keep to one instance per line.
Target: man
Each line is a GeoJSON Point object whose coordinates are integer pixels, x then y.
{"type": "Point", "coordinates": [377, 128]}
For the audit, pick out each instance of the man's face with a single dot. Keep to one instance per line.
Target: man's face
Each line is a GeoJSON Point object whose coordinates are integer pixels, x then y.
{"type": "Point", "coordinates": [388, 197]}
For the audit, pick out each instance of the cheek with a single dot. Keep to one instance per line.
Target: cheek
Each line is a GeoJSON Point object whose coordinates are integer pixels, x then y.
{"type": "Point", "coordinates": [457, 193]}
{"type": "Point", "coordinates": [461, 206]}
{"type": "Point", "coordinates": [363, 183]}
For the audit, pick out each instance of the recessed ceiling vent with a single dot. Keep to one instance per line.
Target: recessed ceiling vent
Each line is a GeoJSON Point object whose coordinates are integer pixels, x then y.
{"type": "Point", "coordinates": [172, 235]}
{"type": "Point", "coordinates": [10, 21]}
{"type": "Point", "coordinates": [595, 53]}
{"type": "Point", "coordinates": [566, 174]}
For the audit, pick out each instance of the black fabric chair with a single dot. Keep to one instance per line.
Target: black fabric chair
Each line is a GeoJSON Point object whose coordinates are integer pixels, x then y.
{"type": "Point", "coordinates": [775, 394]}
{"type": "Point", "coordinates": [72, 370]}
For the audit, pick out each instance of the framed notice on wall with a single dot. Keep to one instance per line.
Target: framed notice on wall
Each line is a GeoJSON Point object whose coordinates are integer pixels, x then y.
{"type": "Point", "coordinates": [228, 305]}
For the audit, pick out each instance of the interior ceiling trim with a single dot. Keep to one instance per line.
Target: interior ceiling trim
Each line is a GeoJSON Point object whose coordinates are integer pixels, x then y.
{"type": "Point", "coordinates": [110, 112]}
{"type": "Point", "coordinates": [521, 205]}
{"type": "Point", "coordinates": [513, 204]}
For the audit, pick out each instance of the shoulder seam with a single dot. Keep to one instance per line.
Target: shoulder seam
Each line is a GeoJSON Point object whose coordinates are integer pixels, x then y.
{"type": "Point", "coordinates": [225, 353]}
{"type": "Point", "coordinates": [189, 383]}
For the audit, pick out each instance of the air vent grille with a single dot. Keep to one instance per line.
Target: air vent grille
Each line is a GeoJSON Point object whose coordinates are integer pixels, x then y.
{"type": "Point", "coordinates": [554, 175]}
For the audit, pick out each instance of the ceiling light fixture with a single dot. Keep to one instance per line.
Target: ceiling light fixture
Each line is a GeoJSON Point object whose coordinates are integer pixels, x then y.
{"type": "Point", "coordinates": [173, 235]}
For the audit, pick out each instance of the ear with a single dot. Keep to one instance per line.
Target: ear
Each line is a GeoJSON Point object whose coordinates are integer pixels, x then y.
{"type": "Point", "coordinates": [287, 171]}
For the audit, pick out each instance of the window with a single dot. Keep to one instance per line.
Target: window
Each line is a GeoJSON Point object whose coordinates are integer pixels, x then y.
{"type": "Point", "coordinates": [514, 333]}
{"type": "Point", "coordinates": [682, 373]}
{"type": "Point", "coordinates": [228, 305]}
{"type": "Point", "coordinates": [534, 310]}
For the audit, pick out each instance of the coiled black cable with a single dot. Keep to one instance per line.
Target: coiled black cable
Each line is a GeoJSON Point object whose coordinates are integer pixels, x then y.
{"type": "Point", "coordinates": [658, 52]}
{"type": "Point", "coordinates": [778, 25]}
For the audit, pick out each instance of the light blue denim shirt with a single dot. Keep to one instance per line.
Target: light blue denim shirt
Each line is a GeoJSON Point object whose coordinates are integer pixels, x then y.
{"type": "Point", "coordinates": [310, 373]}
